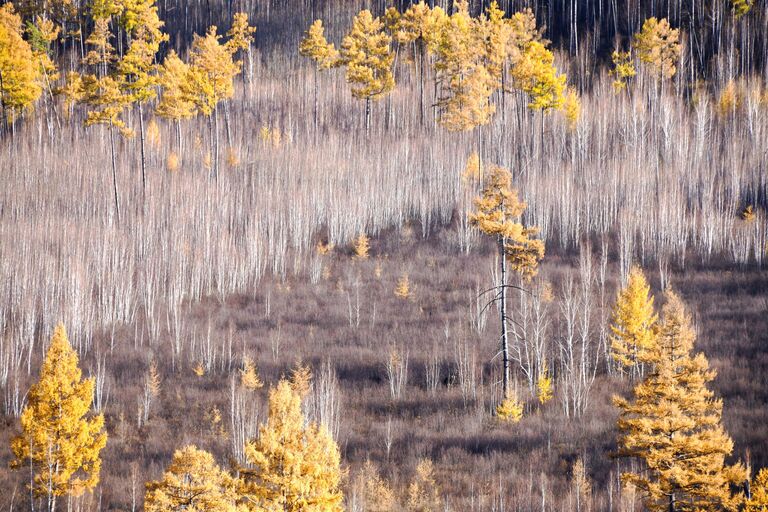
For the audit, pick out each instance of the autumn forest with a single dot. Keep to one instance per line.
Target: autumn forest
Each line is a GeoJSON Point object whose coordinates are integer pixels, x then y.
{"type": "Point", "coordinates": [384, 255]}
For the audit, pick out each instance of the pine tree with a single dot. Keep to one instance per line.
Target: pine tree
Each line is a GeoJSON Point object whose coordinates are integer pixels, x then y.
{"type": "Point", "coordinates": [58, 440]}
{"type": "Point", "coordinates": [372, 491]}
{"type": "Point", "coordinates": [295, 465]}
{"type": "Point", "coordinates": [210, 80]}
{"type": "Point", "coordinates": [633, 321]}
{"type": "Point", "coordinates": [192, 483]}
{"type": "Point", "coordinates": [673, 425]}
{"type": "Point", "coordinates": [758, 490]}
{"type": "Point", "coordinates": [19, 76]}
{"type": "Point", "coordinates": [497, 214]}
{"type": "Point", "coordinates": [368, 58]}
{"type": "Point", "coordinates": [657, 46]}
{"type": "Point", "coordinates": [535, 74]}
{"type": "Point", "coordinates": [423, 492]}
{"type": "Point", "coordinates": [315, 46]}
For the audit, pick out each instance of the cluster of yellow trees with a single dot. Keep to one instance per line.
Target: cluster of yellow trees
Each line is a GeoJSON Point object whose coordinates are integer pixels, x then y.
{"type": "Point", "coordinates": [293, 464]}
{"type": "Point", "coordinates": [114, 82]}
{"type": "Point", "coordinates": [472, 59]}
{"type": "Point", "coordinates": [672, 422]}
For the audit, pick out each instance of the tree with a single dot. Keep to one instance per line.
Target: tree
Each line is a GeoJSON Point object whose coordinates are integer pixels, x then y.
{"type": "Point", "coordinates": [137, 67]}
{"type": "Point", "coordinates": [210, 80]}
{"type": "Point", "coordinates": [758, 495]}
{"type": "Point", "coordinates": [295, 464]}
{"type": "Point", "coordinates": [373, 492]}
{"type": "Point", "coordinates": [657, 46]}
{"type": "Point", "coordinates": [423, 492]}
{"type": "Point", "coordinates": [315, 46]}
{"type": "Point", "coordinates": [623, 69]}
{"type": "Point", "coordinates": [368, 58]}
{"type": "Point", "coordinates": [416, 26]}
{"type": "Point", "coordinates": [192, 483]}
{"type": "Point", "coordinates": [19, 86]}
{"type": "Point", "coordinates": [535, 74]}
{"type": "Point", "coordinates": [176, 101]}
{"type": "Point", "coordinates": [673, 425]}
{"type": "Point", "coordinates": [497, 214]}
{"type": "Point", "coordinates": [59, 442]}
{"type": "Point", "coordinates": [633, 321]}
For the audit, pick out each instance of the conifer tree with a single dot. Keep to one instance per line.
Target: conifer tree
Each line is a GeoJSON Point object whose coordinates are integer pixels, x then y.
{"type": "Point", "coordinates": [176, 94]}
{"type": "Point", "coordinates": [423, 491]}
{"type": "Point", "coordinates": [758, 493]}
{"type": "Point", "coordinates": [673, 426]}
{"type": "Point", "coordinates": [657, 46]}
{"type": "Point", "coordinates": [19, 85]}
{"type": "Point", "coordinates": [192, 483]}
{"type": "Point", "coordinates": [368, 58]}
{"type": "Point", "coordinates": [315, 46]}
{"type": "Point", "coordinates": [210, 80]}
{"type": "Point", "coordinates": [58, 440]}
{"type": "Point", "coordinates": [535, 74]}
{"type": "Point", "coordinates": [294, 465]}
{"type": "Point", "coordinates": [417, 24]}
{"type": "Point", "coordinates": [633, 321]}
{"type": "Point", "coordinates": [497, 214]}
{"type": "Point", "coordinates": [137, 67]}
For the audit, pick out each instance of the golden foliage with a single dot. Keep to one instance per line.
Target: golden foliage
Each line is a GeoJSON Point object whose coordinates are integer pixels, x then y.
{"type": "Point", "coordinates": [249, 375]}
{"type": "Point", "coordinates": [633, 320]}
{"type": "Point", "coordinates": [362, 246]}
{"type": "Point", "coordinates": [536, 75]}
{"type": "Point", "coordinates": [324, 248]}
{"type": "Point", "coordinates": [301, 379]}
{"type": "Point", "coordinates": [58, 441]}
{"type": "Point", "coordinates": [741, 7]}
{"type": "Point", "coordinates": [510, 409]}
{"type": "Point", "coordinates": [758, 500]}
{"type": "Point", "coordinates": [497, 213]}
{"type": "Point", "coordinates": [544, 384]}
{"type": "Point", "coordinates": [571, 108]}
{"type": "Point", "coordinates": [192, 483]}
{"type": "Point", "coordinates": [199, 370]}
{"type": "Point", "coordinates": [240, 34]}
{"type": "Point", "coordinates": [623, 69]}
{"type": "Point", "coordinates": [403, 287]}
{"type": "Point", "coordinates": [366, 53]}
{"type": "Point", "coordinates": [730, 100]}
{"type": "Point", "coordinates": [581, 485]}
{"type": "Point", "coordinates": [211, 73]}
{"type": "Point", "coordinates": [176, 100]}
{"type": "Point", "coordinates": [296, 466]}
{"type": "Point", "coordinates": [375, 493]}
{"type": "Point", "coordinates": [315, 46]}
{"type": "Point", "coordinates": [423, 491]}
{"type": "Point", "coordinates": [657, 46]}
{"type": "Point", "coordinates": [172, 162]}
{"type": "Point", "coordinates": [673, 424]}
{"type": "Point", "coordinates": [748, 214]}
{"type": "Point", "coordinates": [472, 171]}
{"type": "Point", "coordinates": [20, 86]}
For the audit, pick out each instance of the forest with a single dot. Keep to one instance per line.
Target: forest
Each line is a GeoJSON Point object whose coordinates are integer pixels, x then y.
{"type": "Point", "coordinates": [384, 255]}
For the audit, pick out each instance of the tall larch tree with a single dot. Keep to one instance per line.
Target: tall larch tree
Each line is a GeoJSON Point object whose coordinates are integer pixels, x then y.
{"type": "Point", "coordinates": [137, 67]}
{"type": "Point", "coordinates": [315, 46]}
{"type": "Point", "coordinates": [415, 27]}
{"type": "Point", "coordinates": [193, 482]}
{"type": "Point", "coordinates": [672, 424]}
{"type": "Point", "coordinates": [757, 501]}
{"type": "Point", "coordinates": [367, 55]}
{"type": "Point", "coordinates": [19, 84]}
{"type": "Point", "coordinates": [633, 321]}
{"type": "Point", "coordinates": [60, 441]}
{"type": "Point", "coordinates": [210, 80]}
{"type": "Point", "coordinates": [176, 97]}
{"type": "Point", "coordinates": [536, 75]}
{"type": "Point", "coordinates": [497, 214]}
{"type": "Point", "coordinates": [294, 465]}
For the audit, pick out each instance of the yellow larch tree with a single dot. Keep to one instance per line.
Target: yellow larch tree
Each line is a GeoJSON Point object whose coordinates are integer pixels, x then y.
{"type": "Point", "coordinates": [544, 384]}
{"type": "Point", "coordinates": [423, 491]}
{"type": "Point", "coordinates": [672, 424]}
{"type": "Point", "coordinates": [373, 492]}
{"type": "Point", "coordinates": [137, 68]}
{"type": "Point", "coordinates": [240, 34]}
{"type": "Point", "coordinates": [193, 482]}
{"type": "Point", "coordinates": [497, 214]}
{"type": "Point", "coordinates": [60, 441]}
{"type": "Point", "coordinates": [623, 69]}
{"type": "Point", "coordinates": [176, 96]}
{"type": "Point", "coordinates": [19, 84]}
{"type": "Point", "coordinates": [657, 46]}
{"type": "Point", "coordinates": [632, 323]}
{"type": "Point", "coordinates": [41, 34]}
{"type": "Point", "coordinates": [367, 55]}
{"type": "Point", "coordinates": [535, 74]}
{"type": "Point", "coordinates": [293, 465]}
{"type": "Point", "coordinates": [210, 80]}
{"type": "Point", "coordinates": [315, 46]}
{"type": "Point", "coordinates": [249, 375]}
{"type": "Point", "coordinates": [758, 493]}
{"type": "Point", "coordinates": [416, 25]}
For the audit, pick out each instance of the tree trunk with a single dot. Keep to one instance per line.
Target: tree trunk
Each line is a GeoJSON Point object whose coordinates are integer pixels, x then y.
{"type": "Point", "coordinates": [314, 110]}
{"type": "Point", "coordinates": [367, 117]}
{"type": "Point", "coordinates": [672, 502]}
{"type": "Point", "coordinates": [114, 171]}
{"type": "Point", "coordinates": [143, 155]}
{"type": "Point", "coordinates": [503, 314]}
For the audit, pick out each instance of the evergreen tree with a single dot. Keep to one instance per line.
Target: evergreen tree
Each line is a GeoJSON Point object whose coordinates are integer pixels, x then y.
{"type": "Point", "coordinates": [497, 214]}
{"type": "Point", "coordinates": [295, 465]}
{"type": "Point", "coordinates": [192, 483]}
{"type": "Point", "coordinates": [633, 321]}
{"type": "Point", "coordinates": [368, 58]}
{"type": "Point", "coordinates": [657, 46]}
{"type": "Point", "coordinates": [673, 425]}
{"type": "Point", "coordinates": [176, 100]}
{"type": "Point", "coordinates": [58, 440]}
